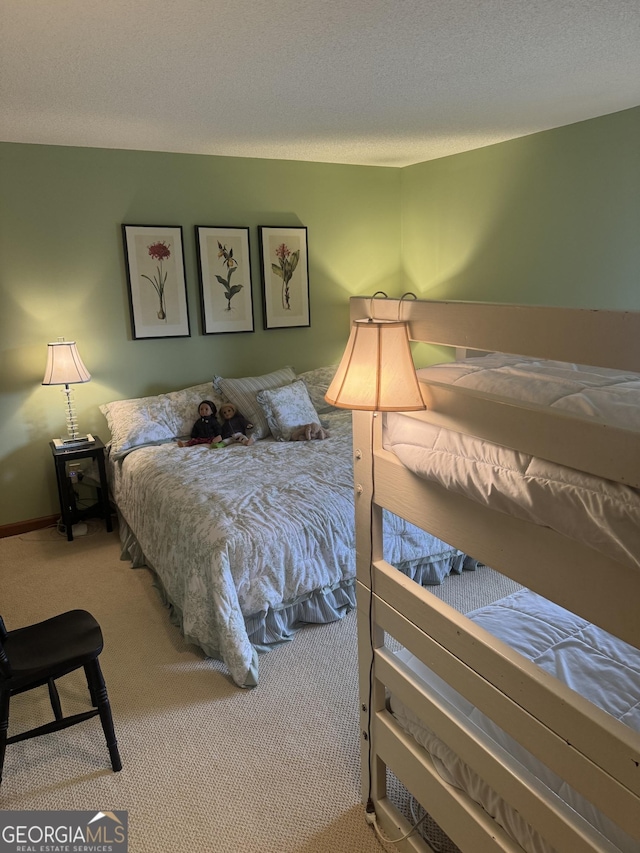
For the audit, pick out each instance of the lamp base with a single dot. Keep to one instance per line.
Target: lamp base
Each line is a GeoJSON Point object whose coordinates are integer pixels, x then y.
{"type": "Point", "coordinates": [79, 441]}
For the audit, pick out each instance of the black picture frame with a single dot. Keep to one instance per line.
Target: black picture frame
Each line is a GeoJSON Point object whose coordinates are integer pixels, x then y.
{"type": "Point", "coordinates": [284, 263]}
{"type": "Point", "coordinates": [156, 281]}
{"type": "Point", "coordinates": [224, 271]}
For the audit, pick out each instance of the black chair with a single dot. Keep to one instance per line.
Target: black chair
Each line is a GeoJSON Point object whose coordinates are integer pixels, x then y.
{"type": "Point", "coordinates": [37, 655]}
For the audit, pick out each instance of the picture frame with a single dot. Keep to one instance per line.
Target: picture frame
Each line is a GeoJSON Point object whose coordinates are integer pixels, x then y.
{"type": "Point", "coordinates": [156, 281]}
{"type": "Point", "coordinates": [224, 270]}
{"type": "Point", "coordinates": [284, 264]}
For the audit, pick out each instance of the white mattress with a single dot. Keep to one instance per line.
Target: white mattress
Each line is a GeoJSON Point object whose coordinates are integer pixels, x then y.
{"type": "Point", "coordinates": [592, 662]}
{"type": "Point", "coordinates": [603, 514]}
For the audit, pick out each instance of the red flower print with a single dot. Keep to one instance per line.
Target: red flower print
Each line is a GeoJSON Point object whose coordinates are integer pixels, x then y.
{"type": "Point", "coordinates": [159, 251]}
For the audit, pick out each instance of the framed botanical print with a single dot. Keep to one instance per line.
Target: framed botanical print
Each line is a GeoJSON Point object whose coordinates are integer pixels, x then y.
{"type": "Point", "coordinates": [224, 266]}
{"type": "Point", "coordinates": [156, 280]}
{"type": "Point", "coordinates": [285, 277]}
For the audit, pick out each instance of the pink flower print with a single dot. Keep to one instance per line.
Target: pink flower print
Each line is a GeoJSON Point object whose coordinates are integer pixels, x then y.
{"type": "Point", "coordinates": [159, 251]}
{"type": "Point", "coordinates": [288, 261]}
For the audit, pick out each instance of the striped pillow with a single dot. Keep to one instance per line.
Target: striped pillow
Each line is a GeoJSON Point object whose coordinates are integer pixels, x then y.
{"type": "Point", "coordinates": [242, 393]}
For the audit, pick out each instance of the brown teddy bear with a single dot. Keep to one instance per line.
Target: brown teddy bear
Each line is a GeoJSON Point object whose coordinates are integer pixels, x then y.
{"type": "Point", "coordinates": [309, 432]}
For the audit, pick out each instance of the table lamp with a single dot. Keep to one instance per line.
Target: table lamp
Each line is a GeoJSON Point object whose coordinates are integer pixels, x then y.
{"type": "Point", "coordinates": [65, 367]}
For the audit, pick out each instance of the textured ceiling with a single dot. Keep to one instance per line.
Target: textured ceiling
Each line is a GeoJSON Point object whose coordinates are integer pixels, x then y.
{"type": "Point", "coordinates": [381, 82]}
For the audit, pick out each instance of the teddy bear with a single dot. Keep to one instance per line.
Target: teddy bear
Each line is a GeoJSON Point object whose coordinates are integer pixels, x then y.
{"type": "Point", "coordinates": [309, 432]}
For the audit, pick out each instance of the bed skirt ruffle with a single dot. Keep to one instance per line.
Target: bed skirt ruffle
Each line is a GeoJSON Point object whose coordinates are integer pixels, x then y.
{"type": "Point", "coordinates": [278, 625]}
{"type": "Point", "coordinates": [265, 630]}
{"type": "Point", "coordinates": [434, 570]}
{"type": "Point", "coordinates": [269, 629]}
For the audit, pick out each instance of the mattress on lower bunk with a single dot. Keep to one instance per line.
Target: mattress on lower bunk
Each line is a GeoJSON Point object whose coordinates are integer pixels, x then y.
{"type": "Point", "coordinates": [595, 664]}
{"type": "Point", "coordinates": [603, 514]}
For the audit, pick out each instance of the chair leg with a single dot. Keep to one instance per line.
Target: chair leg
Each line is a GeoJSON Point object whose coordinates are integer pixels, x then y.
{"type": "Point", "coordinates": [99, 696]}
{"type": "Point", "coordinates": [55, 699]}
{"type": "Point", "coordinates": [5, 696]}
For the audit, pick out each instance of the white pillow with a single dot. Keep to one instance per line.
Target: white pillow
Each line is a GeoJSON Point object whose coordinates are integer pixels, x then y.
{"type": "Point", "coordinates": [287, 408]}
{"type": "Point", "coordinates": [184, 405]}
{"type": "Point", "coordinates": [317, 382]}
{"type": "Point", "coordinates": [242, 393]}
{"type": "Point", "coordinates": [152, 420]}
{"type": "Point", "coordinates": [132, 423]}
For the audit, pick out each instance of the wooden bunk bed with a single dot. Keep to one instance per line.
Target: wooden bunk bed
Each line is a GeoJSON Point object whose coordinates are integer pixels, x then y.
{"type": "Point", "coordinates": [594, 753]}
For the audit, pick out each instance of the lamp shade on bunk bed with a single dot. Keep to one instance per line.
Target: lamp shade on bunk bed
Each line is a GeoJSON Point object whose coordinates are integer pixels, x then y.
{"type": "Point", "coordinates": [376, 373]}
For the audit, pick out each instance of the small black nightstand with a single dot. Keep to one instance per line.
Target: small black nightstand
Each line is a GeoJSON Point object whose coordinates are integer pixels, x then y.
{"type": "Point", "coordinates": [70, 512]}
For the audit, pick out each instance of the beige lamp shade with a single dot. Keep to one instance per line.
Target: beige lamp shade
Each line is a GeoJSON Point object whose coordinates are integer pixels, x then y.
{"type": "Point", "coordinates": [376, 373]}
{"type": "Point", "coordinates": [64, 365]}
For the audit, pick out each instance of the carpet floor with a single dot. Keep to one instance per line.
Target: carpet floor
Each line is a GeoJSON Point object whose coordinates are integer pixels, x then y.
{"type": "Point", "coordinates": [205, 765]}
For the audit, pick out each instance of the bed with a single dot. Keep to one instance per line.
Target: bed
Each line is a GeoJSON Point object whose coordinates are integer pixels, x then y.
{"type": "Point", "coordinates": [248, 543]}
{"type": "Point", "coordinates": [464, 685]}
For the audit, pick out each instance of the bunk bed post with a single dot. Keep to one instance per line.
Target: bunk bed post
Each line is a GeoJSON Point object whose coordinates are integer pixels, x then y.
{"type": "Point", "coordinates": [368, 548]}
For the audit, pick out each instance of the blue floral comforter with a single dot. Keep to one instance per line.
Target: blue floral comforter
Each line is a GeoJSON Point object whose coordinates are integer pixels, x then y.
{"type": "Point", "coordinates": [240, 533]}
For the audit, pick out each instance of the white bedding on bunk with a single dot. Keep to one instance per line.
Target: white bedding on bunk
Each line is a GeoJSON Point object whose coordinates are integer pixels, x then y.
{"type": "Point", "coordinates": [602, 513]}
{"type": "Point", "coordinates": [595, 664]}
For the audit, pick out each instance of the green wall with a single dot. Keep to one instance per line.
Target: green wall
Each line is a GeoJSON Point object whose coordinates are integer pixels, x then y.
{"type": "Point", "coordinates": [62, 274]}
{"type": "Point", "coordinates": [547, 219]}
{"type": "Point", "coordinates": [552, 218]}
